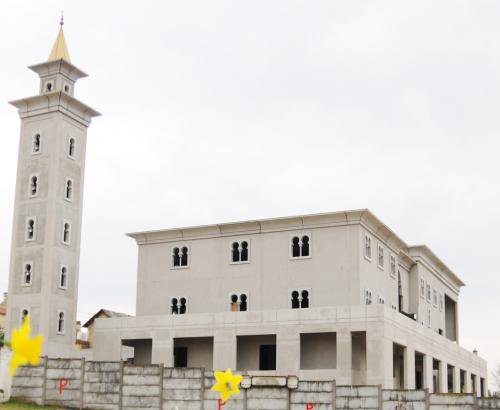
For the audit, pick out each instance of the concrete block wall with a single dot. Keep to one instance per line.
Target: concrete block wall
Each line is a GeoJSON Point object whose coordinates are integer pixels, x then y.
{"type": "Point", "coordinates": [117, 386]}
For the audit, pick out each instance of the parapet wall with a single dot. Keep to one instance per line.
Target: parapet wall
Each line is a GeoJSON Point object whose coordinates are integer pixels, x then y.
{"type": "Point", "coordinates": [75, 383]}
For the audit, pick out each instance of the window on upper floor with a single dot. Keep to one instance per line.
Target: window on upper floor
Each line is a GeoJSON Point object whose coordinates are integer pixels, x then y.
{"type": "Point", "coordinates": [239, 252]}
{"type": "Point", "coordinates": [178, 306]}
{"type": "Point", "coordinates": [28, 274]}
{"type": "Point", "coordinates": [380, 259]}
{"type": "Point", "coordinates": [428, 292]}
{"type": "Point", "coordinates": [300, 246]}
{"type": "Point", "coordinates": [180, 257]}
{"type": "Point", "coordinates": [68, 190]}
{"type": "Point", "coordinates": [381, 300]}
{"type": "Point", "coordinates": [30, 234]}
{"type": "Point", "coordinates": [368, 297]}
{"type": "Point", "coordinates": [434, 298]}
{"type": "Point", "coordinates": [238, 303]}
{"type": "Point", "coordinates": [393, 266]}
{"type": "Point", "coordinates": [368, 247]}
{"type": "Point", "coordinates": [63, 277]}
{"type": "Point", "coordinates": [441, 302]}
{"type": "Point", "coordinates": [36, 145]}
{"type": "Point", "coordinates": [33, 188]}
{"type": "Point", "coordinates": [60, 323]}
{"type": "Point", "coordinates": [422, 288]}
{"type": "Point", "coordinates": [300, 299]}
{"type": "Point", "coordinates": [24, 314]}
{"type": "Point", "coordinates": [428, 317]}
{"type": "Point", "coordinates": [66, 233]}
{"type": "Point", "coordinates": [71, 147]}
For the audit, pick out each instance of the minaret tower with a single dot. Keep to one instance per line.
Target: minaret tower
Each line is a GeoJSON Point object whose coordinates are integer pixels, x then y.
{"type": "Point", "coordinates": [43, 278]}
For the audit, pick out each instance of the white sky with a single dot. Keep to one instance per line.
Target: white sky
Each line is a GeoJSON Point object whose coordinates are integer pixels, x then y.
{"type": "Point", "coordinates": [226, 110]}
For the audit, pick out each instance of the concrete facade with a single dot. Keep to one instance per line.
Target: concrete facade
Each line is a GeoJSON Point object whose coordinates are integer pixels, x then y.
{"type": "Point", "coordinates": [43, 278]}
{"type": "Point", "coordinates": [331, 296]}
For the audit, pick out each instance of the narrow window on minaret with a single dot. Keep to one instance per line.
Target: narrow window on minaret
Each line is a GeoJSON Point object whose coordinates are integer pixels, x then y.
{"type": "Point", "coordinates": [60, 323]}
{"type": "Point", "coordinates": [33, 185]}
{"type": "Point", "coordinates": [24, 313]}
{"type": "Point", "coordinates": [71, 148]}
{"type": "Point", "coordinates": [66, 233]}
{"type": "Point", "coordinates": [68, 192]}
{"type": "Point", "coordinates": [63, 279]}
{"type": "Point", "coordinates": [37, 143]}
{"type": "Point", "coordinates": [30, 229]}
{"type": "Point", "coordinates": [27, 274]}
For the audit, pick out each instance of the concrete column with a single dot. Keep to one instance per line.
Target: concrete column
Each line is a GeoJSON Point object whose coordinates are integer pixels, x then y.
{"type": "Point", "coordinates": [288, 351]}
{"type": "Point", "coordinates": [443, 377]}
{"type": "Point", "coordinates": [409, 368]}
{"type": "Point", "coordinates": [428, 381]}
{"type": "Point", "coordinates": [163, 349]}
{"type": "Point", "coordinates": [379, 359]}
{"type": "Point", "coordinates": [344, 356]}
{"type": "Point", "coordinates": [468, 382]}
{"type": "Point", "coordinates": [456, 379]}
{"type": "Point", "coordinates": [225, 349]}
{"type": "Point", "coordinates": [478, 386]}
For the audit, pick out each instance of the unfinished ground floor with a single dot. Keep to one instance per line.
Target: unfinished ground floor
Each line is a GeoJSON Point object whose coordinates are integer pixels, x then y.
{"type": "Point", "coordinates": [367, 345]}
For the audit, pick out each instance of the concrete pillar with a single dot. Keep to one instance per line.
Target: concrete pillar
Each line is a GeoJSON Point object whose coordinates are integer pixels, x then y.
{"type": "Point", "coordinates": [344, 356]}
{"type": "Point", "coordinates": [456, 379]}
{"type": "Point", "coordinates": [288, 351]}
{"type": "Point", "coordinates": [409, 368]}
{"type": "Point", "coordinates": [163, 349]}
{"type": "Point", "coordinates": [443, 377]}
{"type": "Point", "coordinates": [478, 386]}
{"type": "Point", "coordinates": [428, 374]}
{"type": "Point", "coordinates": [379, 359]}
{"type": "Point", "coordinates": [468, 382]}
{"type": "Point", "coordinates": [225, 349]}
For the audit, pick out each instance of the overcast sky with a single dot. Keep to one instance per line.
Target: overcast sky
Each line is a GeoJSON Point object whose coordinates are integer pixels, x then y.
{"type": "Point", "coordinates": [218, 111]}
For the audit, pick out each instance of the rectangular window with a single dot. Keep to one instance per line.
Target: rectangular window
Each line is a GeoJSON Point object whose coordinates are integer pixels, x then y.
{"type": "Point", "coordinates": [434, 298]}
{"type": "Point", "coordinates": [267, 357]}
{"type": "Point", "coordinates": [180, 356]}
{"type": "Point", "coordinates": [368, 247]}
{"type": "Point", "coordinates": [428, 317]}
{"type": "Point", "coordinates": [422, 288]}
{"type": "Point", "coordinates": [441, 302]}
{"type": "Point", "coordinates": [428, 292]}
{"type": "Point", "coordinates": [393, 266]}
{"type": "Point", "coordinates": [380, 256]}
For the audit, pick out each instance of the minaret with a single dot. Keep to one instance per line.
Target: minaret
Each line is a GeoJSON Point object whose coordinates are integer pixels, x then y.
{"type": "Point", "coordinates": [43, 278]}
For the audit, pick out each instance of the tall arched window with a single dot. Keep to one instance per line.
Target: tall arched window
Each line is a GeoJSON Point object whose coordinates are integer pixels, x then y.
{"type": "Point", "coordinates": [30, 229]}
{"type": "Point", "coordinates": [68, 194]}
{"type": "Point", "coordinates": [305, 246]}
{"type": "Point", "coordinates": [301, 246]}
{"type": "Point", "coordinates": [24, 314]}
{"type": "Point", "coordinates": [174, 306]}
{"type": "Point", "coordinates": [295, 247]}
{"type": "Point", "coordinates": [33, 185]}
{"type": "Point", "coordinates": [60, 323]}
{"type": "Point", "coordinates": [239, 252]}
{"type": "Point", "coordinates": [37, 143]}
{"type": "Point", "coordinates": [236, 252]}
{"type": "Point", "coordinates": [27, 274]}
{"type": "Point", "coordinates": [295, 300]}
{"type": "Point", "coordinates": [176, 259]}
{"type": "Point", "coordinates": [183, 307]}
{"type": "Point", "coordinates": [63, 279]}
{"type": "Point", "coordinates": [243, 303]}
{"type": "Point", "coordinates": [71, 147]}
{"type": "Point", "coordinates": [300, 299]}
{"type": "Point", "coordinates": [184, 256]}
{"type": "Point", "coordinates": [66, 233]}
{"type": "Point", "coordinates": [244, 251]}
{"type": "Point", "coordinates": [239, 303]}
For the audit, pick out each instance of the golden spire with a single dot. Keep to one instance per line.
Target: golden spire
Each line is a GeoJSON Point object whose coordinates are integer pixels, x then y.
{"type": "Point", "coordinates": [60, 49]}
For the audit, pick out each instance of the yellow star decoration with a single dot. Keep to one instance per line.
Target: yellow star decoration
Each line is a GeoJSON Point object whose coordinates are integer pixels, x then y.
{"type": "Point", "coordinates": [227, 384]}
{"type": "Point", "coordinates": [25, 349]}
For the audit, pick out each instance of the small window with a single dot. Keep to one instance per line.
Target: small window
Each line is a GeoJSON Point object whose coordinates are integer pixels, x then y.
{"type": "Point", "coordinates": [368, 297]}
{"type": "Point", "coordinates": [30, 229]}
{"type": "Point", "coordinates": [434, 298]}
{"type": "Point", "coordinates": [48, 87]}
{"type": "Point", "coordinates": [422, 288]}
{"type": "Point", "coordinates": [60, 323]}
{"type": "Point", "coordinates": [68, 190]}
{"type": "Point", "coordinates": [63, 278]}
{"type": "Point", "coordinates": [381, 301]}
{"type": "Point", "coordinates": [24, 314]}
{"type": "Point", "coordinates": [34, 185]}
{"type": "Point", "coordinates": [428, 292]}
{"type": "Point", "coordinates": [180, 257]}
{"type": "Point", "coordinates": [380, 256]}
{"type": "Point", "coordinates": [393, 266]}
{"type": "Point", "coordinates": [71, 147]}
{"type": "Point", "coordinates": [67, 88]}
{"type": "Point", "coordinates": [239, 252]}
{"type": "Point", "coordinates": [428, 317]}
{"type": "Point", "coordinates": [300, 246]}
{"type": "Point", "coordinates": [37, 144]}
{"type": "Point", "coordinates": [178, 306]}
{"type": "Point", "coordinates": [66, 234]}
{"type": "Point", "coordinates": [27, 274]}
{"type": "Point", "coordinates": [441, 302]}
{"type": "Point", "coordinates": [300, 299]}
{"type": "Point", "coordinates": [238, 303]}
{"type": "Point", "coordinates": [368, 247]}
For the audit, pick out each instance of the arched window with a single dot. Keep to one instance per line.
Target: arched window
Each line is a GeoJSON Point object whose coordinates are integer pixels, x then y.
{"type": "Point", "coordinates": [236, 252]}
{"type": "Point", "coordinates": [30, 229]}
{"type": "Point", "coordinates": [63, 279]}
{"type": "Point", "coordinates": [304, 303]}
{"type": "Point", "coordinates": [27, 276]}
{"type": "Point", "coordinates": [244, 251]}
{"type": "Point", "coordinates": [176, 259]}
{"type": "Point", "coordinates": [69, 190]}
{"type": "Point", "coordinates": [71, 147]}
{"type": "Point", "coordinates": [234, 303]}
{"type": "Point", "coordinates": [66, 233]}
{"type": "Point", "coordinates": [243, 303]}
{"type": "Point", "coordinates": [37, 143]}
{"type": "Point", "coordinates": [174, 306]}
{"type": "Point", "coordinates": [33, 185]}
{"type": "Point", "coordinates": [60, 323]}
{"type": "Point", "coordinates": [295, 247]}
{"type": "Point", "coordinates": [301, 246]}
{"type": "Point", "coordinates": [368, 247]}
{"type": "Point", "coordinates": [184, 256]}
{"type": "Point", "coordinates": [295, 299]}
{"type": "Point", "coordinates": [239, 304]}
{"type": "Point", "coordinates": [24, 314]}
{"type": "Point", "coordinates": [183, 307]}
{"type": "Point", "coordinates": [305, 246]}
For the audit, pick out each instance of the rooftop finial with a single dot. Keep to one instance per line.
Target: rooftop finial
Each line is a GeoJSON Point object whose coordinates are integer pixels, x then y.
{"type": "Point", "coordinates": [61, 22]}
{"type": "Point", "coordinates": [60, 49]}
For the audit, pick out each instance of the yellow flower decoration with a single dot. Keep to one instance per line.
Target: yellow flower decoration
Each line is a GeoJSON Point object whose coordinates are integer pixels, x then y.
{"type": "Point", "coordinates": [26, 350]}
{"type": "Point", "coordinates": [227, 384]}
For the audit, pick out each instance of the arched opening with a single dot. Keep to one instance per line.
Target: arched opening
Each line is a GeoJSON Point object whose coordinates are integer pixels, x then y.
{"type": "Point", "coordinates": [244, 251]}
{"type": "Point", "coordinates": [71, 147]}
{"type": "Point", "coordinates": [176, 259]}
{"type": "Point", "coordinates": [27, 274]}
{"type": "Point", "coordinates": [63, 280]}
{"type": "Point", "coordinates": [69, 189]}
{"type": "Point", "coordinates": [36, 143]}
{"type": "Point", "coordinates": [234, 303]}
{"type": "Point", "coordinates": [184, 256]}
{"type": "Point", "coordinates": [66, 232]}
{"type": "Point", "coordinates": [60, 323]}
{"type": "Point", "coordinates": [305, 246]}
{"type": "Point", "coordinates": [295, 299]}
{"type": "Point", "coordinates": [24, 314]}
{"type": "Point", "coordinates": [243, 303]}
{"type": "Point", "coordinates": [183, 306]}
{"type": "Point", "coordinates": [295, 247]}
{"type": "Point", "coordinates": [34, 185]}
{"type": "Point", "coordinates": [304, 303]}
{"type": "Point", "coordinates": [174, 308]}
{"type": "Point", "coordinates": [30, 229]}
{"type": "Point", "coordinates": [235, 252]}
